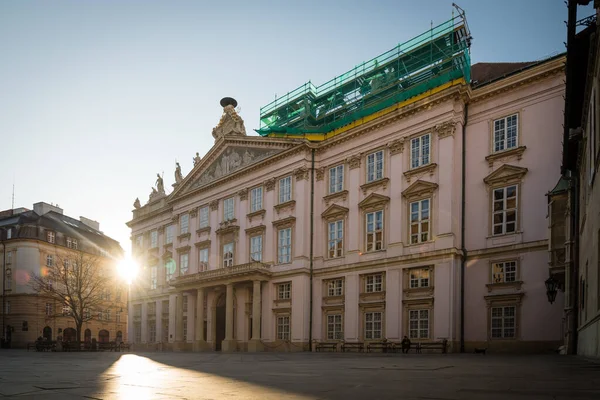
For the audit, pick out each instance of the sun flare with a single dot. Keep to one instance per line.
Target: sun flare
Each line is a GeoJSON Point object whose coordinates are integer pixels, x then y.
{"type": "Point", "coordinates": [127, 269]}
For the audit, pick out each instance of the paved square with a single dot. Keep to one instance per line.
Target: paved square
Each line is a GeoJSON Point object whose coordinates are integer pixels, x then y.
{"type": "Point", "coordinates": [295, 376]}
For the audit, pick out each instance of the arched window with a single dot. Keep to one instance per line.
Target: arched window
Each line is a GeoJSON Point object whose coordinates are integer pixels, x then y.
{"type": "Point", "coordinates": [103, 336]}
{"type": "Point", "coordinates": [69, 335]}
{"type": "Point", "coordinates": [87, 335]}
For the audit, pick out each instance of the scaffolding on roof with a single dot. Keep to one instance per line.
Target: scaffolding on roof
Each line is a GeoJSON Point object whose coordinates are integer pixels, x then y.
{"type": "Point", "coordinates": [435, 57]}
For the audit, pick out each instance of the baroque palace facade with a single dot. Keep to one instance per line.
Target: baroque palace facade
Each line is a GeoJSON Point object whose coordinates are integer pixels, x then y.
{"type": "Point", "coordinates": [427, 220]}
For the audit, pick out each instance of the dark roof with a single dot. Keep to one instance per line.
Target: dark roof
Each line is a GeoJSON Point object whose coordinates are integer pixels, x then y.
{"type": "Point", "coordinates": [488, 72]}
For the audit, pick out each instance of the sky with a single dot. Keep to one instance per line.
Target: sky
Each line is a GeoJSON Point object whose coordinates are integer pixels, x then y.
{"type": "Point", "coordinates": [97, 96]}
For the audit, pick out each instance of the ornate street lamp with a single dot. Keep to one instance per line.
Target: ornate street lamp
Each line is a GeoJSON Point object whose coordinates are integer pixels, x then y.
{"type": "Point", "coordinates": [551, 289]}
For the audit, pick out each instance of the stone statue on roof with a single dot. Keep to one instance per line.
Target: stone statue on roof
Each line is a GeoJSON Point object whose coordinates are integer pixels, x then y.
{"type": "Point", "coordinates": [197, 159]}
{"type": "Point", "coordinates": [178, 175]}
{"type": "Point", "coordinates": [160, 187]}
{"type": "Point", "coordinates": [231, 123]}
{"type": "Point", "coordinates": [136, 203]}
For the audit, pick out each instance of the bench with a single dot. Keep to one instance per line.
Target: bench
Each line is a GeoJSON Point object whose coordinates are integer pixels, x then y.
{"type": "Point", "coordinates": [443, 346]}
{"type": "Point", "coordinates": [326, 345]}
{"type": "Point", "coordinates": [383, 346]}
{"type": "Point", "coordinates": [359, 346]}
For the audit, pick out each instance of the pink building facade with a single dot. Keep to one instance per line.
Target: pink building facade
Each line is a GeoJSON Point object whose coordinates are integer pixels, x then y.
{"type": "Point", "coordinates": [278, 243]}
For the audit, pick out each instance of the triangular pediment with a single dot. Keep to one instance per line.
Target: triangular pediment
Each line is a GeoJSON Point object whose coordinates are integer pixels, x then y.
{"type": "Point", "coordinates": [229, 156]}
{"type": "Point", "coordinates": [419, 188]}
{"type": "Point", "coordinates": [505, 174]}
{"type": "Point", "coordinates": [334, 211]}
{"type": "Point", "coordinates": [372, 200]}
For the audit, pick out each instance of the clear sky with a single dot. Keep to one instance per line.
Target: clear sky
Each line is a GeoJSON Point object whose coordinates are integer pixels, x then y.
{"type": "Point", "coordinates": [96, 97]}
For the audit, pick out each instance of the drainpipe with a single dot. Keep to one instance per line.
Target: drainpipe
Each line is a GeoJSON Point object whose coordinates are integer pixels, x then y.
{"type": "Point", "coordinates": [463, 258]}
{"type": "Point", "coordinates": [574, 270]}
{"type": "Point", "coordinates": [312, 206]}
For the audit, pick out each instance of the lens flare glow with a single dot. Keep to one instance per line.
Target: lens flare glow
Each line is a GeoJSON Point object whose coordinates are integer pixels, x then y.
{"type": "Point", "coordinates": [127, 269]}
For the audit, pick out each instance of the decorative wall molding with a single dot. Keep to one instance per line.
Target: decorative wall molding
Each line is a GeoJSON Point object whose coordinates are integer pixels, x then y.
{"type": "Point", "coordinates": [354, 161]}
{"type": "Point", "coordinates": [396, 146]}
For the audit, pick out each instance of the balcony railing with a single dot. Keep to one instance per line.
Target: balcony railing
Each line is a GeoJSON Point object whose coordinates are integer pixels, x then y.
{"type": "Point", "coordinates": [215, 274]}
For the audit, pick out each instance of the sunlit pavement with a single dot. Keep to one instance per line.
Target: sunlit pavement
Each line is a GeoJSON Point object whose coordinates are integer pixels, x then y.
{"type": "Point", "coordinates": [295, 376]}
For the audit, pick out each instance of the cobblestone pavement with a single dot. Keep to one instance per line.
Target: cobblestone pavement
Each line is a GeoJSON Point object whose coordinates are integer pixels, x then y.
{"type": "Point", "coordinates": [32, 375]}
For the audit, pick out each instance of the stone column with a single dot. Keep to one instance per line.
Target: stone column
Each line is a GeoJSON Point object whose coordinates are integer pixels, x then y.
{"type": "Point", "coordinates": [229, 344]}
{"type": "Point", "coordinates": [255, 344]}
{"type": "Point", "coordinates": [179, 321]}
{"type": "Point", "coordinates": [200, 341]}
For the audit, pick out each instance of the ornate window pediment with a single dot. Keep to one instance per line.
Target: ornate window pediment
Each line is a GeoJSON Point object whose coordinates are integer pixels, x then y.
{"type": "Point", "coordinates": [334, 211]}
{"type": "Point", "coordinates": [505, 174]}
{"type": "Point", "coordinates": [419, 189]}
{"type": "Point", "coordinates": [373, 200]}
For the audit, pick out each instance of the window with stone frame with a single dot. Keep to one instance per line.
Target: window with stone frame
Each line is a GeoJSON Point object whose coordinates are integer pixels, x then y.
{"type": "Point", "coordinates": [8, 282]}
{"type": "Point", "coordinates": [228, 209]}
{"type": "Point", "coordinates": [139, 241]}
{"type": "Point", "coordinates": [420, 221]}
{"type": "Point", "coordinates": [256, 248]}
{"type": "Point", "coordinates": [48, 309]}
{"type": "Point", "coordinates": [284, 246]}
{"type": "Point", "coordinates": [137, 332]}
{"type": "Point", "coordinates": [335, 287]}
{"type": "Point", "coordinates": [335, 328]}
{"type": "Point", "coordinates": [184, 263]}
{"type": "Point", "coordinates": [419, 277]}
{"type": "Point", "coordinates": [152, 332]}
{"type": "Point", "coordinates": [118, 316]}
{"type": "Point", "coordinates": [184, 303]}
{"type": "Point", "coordinates": [185, 329]}
{"type": "Point", "coordinates": [374, 283]}
{"type": "Point", "coordinates": [153, 277]}
{"type": "Point", "coordinates": [66, 310]}
{"type": "Point", "coordinates": [284, 291]}
{"type": "Point", "coordinates": [420, 149]}
{"type": "Point", "coordinates": [335, 242]}
{"type": "Point", "coordinates": [228, 255]}
{"type": "Point", "coordinates": [373, 325]}
{"type": "Point", "coordinates": [170, 233]}
{"type": "Point", "coordinates": [50, 237]}
{"type": "Point", "coordinates": [184, 224]}
{"type": "Point", "coordinates": [9, 233]}
{"type": "Point", "coordinates": [153, 239]}
{"type": "Point", "coordinates": [375, 166]}
{"type": "Point", "coordinates": [336, 179]}
{"type": "Point", "coordinates": [107, 315]}
{"type": "Point", "coordinates": [204, 216]}
{"type": "Point", "coordinates": [504, 271]}
{"type": "Point", "coordinates": [9, 257]}
{"type": "Point", "coordinates": [71, 243]}
{"type": "Point", "coordinates": [504, 322]}
{"type": "Point", "coordinates": [203, 259]}
{"type": "Point", "coordinates": [285, 189]}
{"type": "Point", "coordinates": [49, 260]}
{"type": "Point", "coordinates": [504, 206]}
{"type": "Point", "coordinates": [374, 231]}
{"type": "Point", "coordinates": [283, 327]}
{"type": "Point", "coordinates": [506, 132]}
{"type": "Point", "coordinates": [418, 324]}
{"type": "Point", "coordinates": [256, 199]}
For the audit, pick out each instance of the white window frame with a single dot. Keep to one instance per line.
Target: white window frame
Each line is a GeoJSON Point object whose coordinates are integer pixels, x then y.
{"type": "Point", "coordinates": [283, 327]}
{"type": "Point", "coordinates": [228, 255]}
{"type": "Point", "coordinates": [374, 283]}
{"type": "Point", "coordinates": [335, 287]}
{"type": "Point", "coordinates": [419, 323]}
{"type": "Point", "coordinates": [184, 263]}
{"type": "Point", "coordinates": [375, 166]}
{"type": "Point", "coordinates": [504, 271]}
{"type": "Point", "coordinates": [203, 259]}
{"type": "Point", "coordinates": [69, 243]}
{"type": "Point", "coordinates": [185, 328]}
{"type": "Point", "coordinates": [153, 276]}
{"type": "Point", "coordinates": [50, 237]}
{"type": "Point", "coordinates": [48, 309]}
{"type": "Point", "coordinates": [420, 151]}
{"type": "Point", "coordinates": [9, 233]}
{"type": "Point", "coordinates": [152, 332]}
{"type": "Point", "coordinates": [284, 291]}
{"type": "Point", "coordinates": [170, 234]}
{"type": "Point", "coordinates": [256, 199]}
{"type": "Point", "coordinates": [503, 330]}
{"type": "Point", "coordinates": [184, 224]}
{"type": "Point", "coordinates": [420, 216]}
{"type": "Point", "coordinates": [419, 278]}
{"type": "Point", "coordinates": [505, 210]}
{"type": "Point", "coordinates": [8, 257]}
{"type": "Point", "coordinates": [336, 179]}
{"type": "Point", "coordinates": [373, 230]}
{"type": "Point", "coordinates": [49, 260]}
{"type": "Point", "coordinates": [256, 247]}
{"type": "Point", "coordinates": [373, 325]}
{"type": "Point", "coordinates": [204, 214]}
{"type": "Point", "coordinates": [335, 238]}
{"type": "Point", "coordinates": [229, 209]}
{"type": "Point", "coordinates": [285, 189]}
{"type": "Point", "coordinates": [335, 327]}
{"type": "Point", "coordinates": [153, 239]}
{"type": "Point", "coordinates": [284, 246]}
{"type": "Point", "coordinates": [500, 140]}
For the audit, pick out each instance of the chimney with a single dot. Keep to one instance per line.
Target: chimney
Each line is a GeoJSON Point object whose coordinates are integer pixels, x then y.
{"type": "Point", "coordinates": [91, 223]}
{"type": "Point", "coordinates": [42, 208]}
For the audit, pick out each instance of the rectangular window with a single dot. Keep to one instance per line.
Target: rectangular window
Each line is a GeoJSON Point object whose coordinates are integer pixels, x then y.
{"type": "Point", "coordinates": [184, 263]}
{"type": "Point", "coordinates": [170, 233]}
{"type": "Point", "coordinates": [418, 324]}
{"type": "Point", "coordinates": [284, 246]}
{"type": "Point", "coordinates": [184, 224]}
{"type": "Point", "coordinates": [137, 329]}
{"type": "Point", "coordinates": [153, 277]}
{"type": "Point", "coordinates": [204, 216]}
{"type": "Point", "coordinates": [228, 205]}
{"type": "Point", "coordinates": [50, 236]}
{"type": "Point", "coordinates": [374, 234]}
{"type": "Point", "coordinates": [9, 233]}
{"type": "Point", "coordinates": [504, 272]}
{"type": "Point", "coordinates": [228, 255]}
{"type": "Point", "coordinates": [375, 166]}
{"type": "Point", "coordinates": [334, 327]}
{"type": "Point", "coordinates": [505, 133]}
{"type": "Point", "coordinates": [373, 325]}
{"type": "Point", "coordinates": [49, 260]}
{"type": "Point", "coordinates": [419, 221]}
{"type": "Point", "coordinates": [374, 283]}
{"type": "Point", "coordinates": [283, 328]}
{"type": "Point", "coordinates": [285, 189]}
{"type": "Point", "coordinates": [505, 210]}
{"type": "Point", "coordinates": [185, 303]}
{"type": "Point", "coordinates": [169, 270]}
{"type": "Point", "coordinates": [139, 241]}
{"type": "Point", "coordinates": [335, 287]}
{"type": "Point", "coordinates": [66, 310]}
{"type": "Point", "coordinates": [118, 316]}
{"type": "Point", "coordinates": [336, 179]}
{"type": "Point", "coordinates": [107, 315]}
{"type": "Point", "coordinates": [256, 196]}
{"type": "Point", "coordinates": [69, 243]}
{"type": "Point", "coordinates": [8, 282]}
{"type": "Point", "coordinates": [503, 322]}
{"type": "Point", "coordinates": [184, 329]}
{"type": "Point", "coordinates": [336, 238]}
{"type": "Point", "coordinates": [7, 307]}
{"type": "Point", "coordinates": [153, 239]}
{"type": "Point", "coordinates": [256, 248]}
{"type": "Point", "coordinates": [86, 314]}
{"type": "Point", "coordinates": [419, 278]}
{"type": "Point", "coordinates": [420, 151]}
{"type": "Point", "coordinates": [284, 291]}
{"type": "Point", "coordinates": [9, 258]}
{"type": "Point", "coordinates": [48, 309]}
{"type": "Point", "coordinates": [152, 332]}
{"type": "Point", "coordinates": [203, 260]}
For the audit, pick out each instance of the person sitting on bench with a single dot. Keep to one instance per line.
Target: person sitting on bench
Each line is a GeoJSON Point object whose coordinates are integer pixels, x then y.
{"type": "Point", "coordinates": [405, 344]}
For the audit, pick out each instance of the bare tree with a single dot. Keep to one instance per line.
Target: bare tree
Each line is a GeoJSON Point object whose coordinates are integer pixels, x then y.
{"type": "Point", "coordinates": [77, 281]}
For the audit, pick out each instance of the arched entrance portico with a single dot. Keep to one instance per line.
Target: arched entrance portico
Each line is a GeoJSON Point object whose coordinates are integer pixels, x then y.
{"type": "Point", "coordinates": [219, 321]}
{"type": "Point", "coordinates": [47, 333]}
{"type": "Point", "coordinates": [103, 336]}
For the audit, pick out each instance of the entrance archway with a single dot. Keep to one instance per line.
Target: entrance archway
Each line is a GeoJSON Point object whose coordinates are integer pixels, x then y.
{"type": "Point", "coordinates": [220, 322]}
{"type": "Point", "coordinates": [69, 335]}
{"type": "Point", "coordinates": [87, 336]}
{"type": "Point", "coordinates": [47, 333]}
{"type": "Point", "coordinates": [103, 336]}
